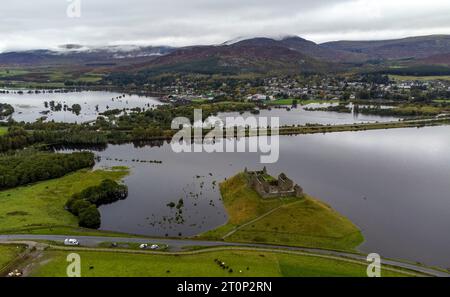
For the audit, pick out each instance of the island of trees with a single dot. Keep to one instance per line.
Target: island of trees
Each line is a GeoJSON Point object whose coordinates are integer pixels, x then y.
{"type": "Point", "coordinates": [6, 110]}
{"type": "Point", "coordinates": [85, 204]}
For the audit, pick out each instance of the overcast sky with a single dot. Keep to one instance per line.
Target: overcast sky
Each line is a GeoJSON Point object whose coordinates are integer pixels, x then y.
{"type": "Point", "coordinates": [31, 24]}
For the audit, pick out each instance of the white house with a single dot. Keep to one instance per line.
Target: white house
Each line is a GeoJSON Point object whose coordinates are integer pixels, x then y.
{"type": "Point", "coordinates": [257, 97]}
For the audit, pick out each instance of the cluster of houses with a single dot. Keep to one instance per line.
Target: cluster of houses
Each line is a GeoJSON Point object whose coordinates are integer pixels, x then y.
{"type": "Point", "coordinates": [338, 89]}
{"type": "Point", "coordinates": [304, 88]}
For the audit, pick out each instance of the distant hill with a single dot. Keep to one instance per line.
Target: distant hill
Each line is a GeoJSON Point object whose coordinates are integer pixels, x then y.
{"type": "Point", "coordinates": [78, 55]}
{"type": "Point", "coordinates": [258, 55]}
{"type": "Point", "coordinates": [288, 55]}
{"type": "Point", "coordinates": [406, 48]}
{"type": "Point", "coordinates": [441, 59]}
{"type": "Point", "coordinates": [305, 47]}
{"type": "Point", "coordinates": [24, 58]}
{"type": "Point", "coordinates": [320, 52]}
{"type": "Point", "coordinates": [297, 55]}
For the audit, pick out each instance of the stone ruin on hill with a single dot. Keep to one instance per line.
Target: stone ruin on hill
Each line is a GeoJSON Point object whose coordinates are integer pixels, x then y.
{"type": "Point", "coordinates": [269, 187]}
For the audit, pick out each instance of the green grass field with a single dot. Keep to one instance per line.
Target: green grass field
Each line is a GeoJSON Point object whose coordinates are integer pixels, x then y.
{"type": "Point", "coordinates": [418, 78]}
{"type": "Point", "coordinates": [61, 76]}
{"type": "Point", "coordinates": [200, 100]}
{"type": "Point", "coordinates": [41, 205]}
{"type": "Point", "coordinates": [298, 222]}
{"type": "Point", "coordinates": [300, 102]}
{"type": "Point", "coordinates": [90, 77]}
{"type": "Point", "coordinates": [3, 130]}
{"type": "Point", "coordinates": [308, 223]}
{"type": "Point", "coordinates": [8, 253]}
{"type": "Point", "coordinates": [67, 230]}
{"type": "Point", "coordinates": [12, 72]}
{"type": "Point", "coordinates": [27, 85]}
{"type": "Point", "coordinates": [242, 263]}
{"type": "Point", "coordinates": [419, 109]}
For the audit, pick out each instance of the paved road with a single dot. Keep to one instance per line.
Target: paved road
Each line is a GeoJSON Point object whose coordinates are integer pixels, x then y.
{"type": "Point", "coordinates": [179, 244]}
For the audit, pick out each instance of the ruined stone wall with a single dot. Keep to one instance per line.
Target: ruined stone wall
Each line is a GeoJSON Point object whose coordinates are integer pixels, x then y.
{"type": "Point", "coordinates": [284, 183]}
{"type": "Point", "coordinates": [299, 191]}
{"type": "Point", "coordinates": [284, 188]}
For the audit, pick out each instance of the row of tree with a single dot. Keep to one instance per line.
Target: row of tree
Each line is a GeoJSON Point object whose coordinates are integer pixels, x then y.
{"type": "Point", "coordinates": [18, 138]}
{"type": "Point", "coordinates": [85, 204]}
{"type": "Point", "coordinates": [32, 166]}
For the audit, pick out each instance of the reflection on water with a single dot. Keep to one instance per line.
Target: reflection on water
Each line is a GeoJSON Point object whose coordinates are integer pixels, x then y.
{"type": "Point", "coordinates": [30, 107]}
{"type": "Point", "coordinates": [394, 184]}
{"type": "Point", "coordinates": [300, 116]}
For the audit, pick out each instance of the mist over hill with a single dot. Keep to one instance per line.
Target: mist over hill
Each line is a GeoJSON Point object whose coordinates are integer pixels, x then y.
{"type": "Point", "coordinates": [284, 55]}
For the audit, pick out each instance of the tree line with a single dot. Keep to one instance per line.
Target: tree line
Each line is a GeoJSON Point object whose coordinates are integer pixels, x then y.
{"type": "Point", "coordinates": [19, 138]}
{"type": "Point", "coordinates": [32, 166]}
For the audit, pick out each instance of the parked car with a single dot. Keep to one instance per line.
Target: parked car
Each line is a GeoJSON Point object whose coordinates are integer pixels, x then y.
{"type": "Point", "coordinates": [15, 273]}
{"type": "Point", "coordinates": [145, 246]}
{"type": "Point", "coordinates": [71, 242]}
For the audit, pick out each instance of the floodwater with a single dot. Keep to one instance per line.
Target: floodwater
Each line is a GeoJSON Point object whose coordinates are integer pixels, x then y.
{"type": "Point", "coordinates": [30, 107]}
{"type": "Point", "coordinates": [299, 116]}
{"type": "Point", "coordinates": [394, 184]}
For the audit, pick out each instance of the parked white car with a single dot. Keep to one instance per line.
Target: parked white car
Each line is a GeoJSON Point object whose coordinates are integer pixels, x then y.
{"type": "Point", "coordinates": [145, 246]}
{"type": "Point", "coordinates": [71, 242]}
{"type": "Point", "coordinates": [15, 273]}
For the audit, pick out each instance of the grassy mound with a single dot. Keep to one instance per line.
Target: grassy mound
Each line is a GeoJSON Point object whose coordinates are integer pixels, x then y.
{"type": "Point", "coordinates": [294, 222]}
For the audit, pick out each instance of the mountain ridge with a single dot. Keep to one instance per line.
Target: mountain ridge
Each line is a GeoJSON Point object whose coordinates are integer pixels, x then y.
{"type": "Point", "coordinates": [285, 55]}
{"type": "Point", "coordinates": [409, 47]}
